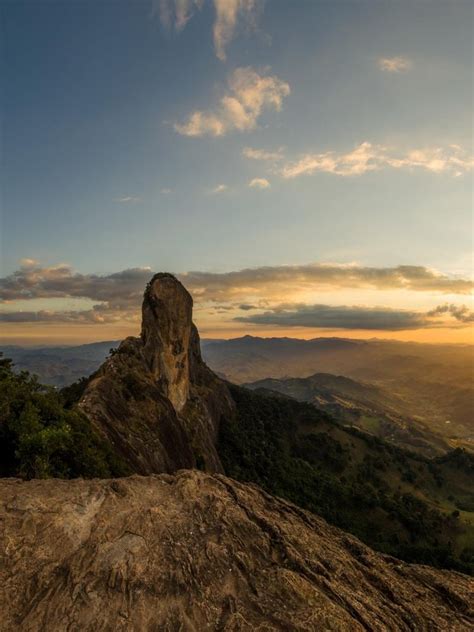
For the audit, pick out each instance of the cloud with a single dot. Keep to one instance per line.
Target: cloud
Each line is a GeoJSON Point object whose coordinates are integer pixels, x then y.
{"type": "Point", "coordinates": [394, 64]}
{"type": "Point", "coordinates": [129, 199]}
{"type": "Point", "coordinates": [28, 263]}
{"type": "Point", "coordinates": [166, 191]}
{"type": "Point", "coordinates": [220, 188]}
{"type": "Point", "coordinates": [176, 13]}
{"type": "Point", "coordinates": [338, 317]}
{"type": "Point", "coordinates": [355, 317]}
{"type": "Point", "coordinates": [367, 157]}
{"type": "Point", "coordinates": [229, 15]}
{"type": "Point", "coordinates": [249, 94]}
{"type": "Point", "coordinates": [460, 312]}
{"type": "Point", "coordinates": [259, 183]}
{"type": "Point", "coordinates": [262, 154]}
{"type": "Point", "coordinates": [271, 281]}
{"type": "Point", "coordinates": [35, 281]}
{"type": "Point", "coordinates": [91, 316]}
{"type": "Point", "coordinates": [117, 296]}
{"type": "Point", "coordinates": [246, 307]}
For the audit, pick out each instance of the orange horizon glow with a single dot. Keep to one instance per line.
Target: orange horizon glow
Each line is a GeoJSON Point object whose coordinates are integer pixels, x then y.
{"type": "Point", "coordinates": [51, 334]}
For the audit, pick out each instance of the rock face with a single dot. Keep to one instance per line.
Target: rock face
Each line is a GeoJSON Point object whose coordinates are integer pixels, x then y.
{"type": "Point", "coordinates": [154, 399]}
{"type": "Point", "coordinates": [167, 328]}
{"type": "Point", "coordinates": [195, 552]}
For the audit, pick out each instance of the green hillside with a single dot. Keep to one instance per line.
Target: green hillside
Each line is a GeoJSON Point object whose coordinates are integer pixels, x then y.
{"type": "Point", "coordinates": [401, 503]}
{"type": "Point", "coordinates": [365, 405]}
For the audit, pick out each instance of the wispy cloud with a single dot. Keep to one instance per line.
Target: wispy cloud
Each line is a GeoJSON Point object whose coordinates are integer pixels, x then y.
{"type": "Point", "coordinates": [229, 16]}
{"type": "Point", "coordinates": [262, 154]}
{"type": "Point", "coordinates": [129, 199]}
{"type": "Point", "coordinates": [259, 183]}
{"type": "Point", "coordinates": [175, 13]}
{"type": "Point", "coordinates": [368, 157]}
{"type": "Point", "coordinates": [394, 64]}
{"type": "Point", "coordinates": [166, 191]}
{"type": "Point", "coordinates": [220, 188]}
{"type": "Point", "coordinates": [249, 94]}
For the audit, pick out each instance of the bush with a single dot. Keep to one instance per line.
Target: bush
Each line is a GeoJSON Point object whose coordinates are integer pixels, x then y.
{"type": "Point", "coordinates": [40, 437]}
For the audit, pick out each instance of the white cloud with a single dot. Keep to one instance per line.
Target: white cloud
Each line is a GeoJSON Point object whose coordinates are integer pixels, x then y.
{"type": "Point", "coordinates": [129, 199]}
{"type": "Point", "coordinates": [262, 154]}
{"type": "Point", "coordinates": [259, 183]}
{"type": "Point", "coordinates": [28, 263]}
{"type": "Point", "coordinates": [220, 188]}
{"type": "Point", "coordinates": [368, 157]}
{"type": "Point", "coordinates": [453, 159]}
{"type": "Point", "coordinates": [394, 64]}
{"type": "Point", "coordinates": [166, 191]}
{"type": "Point", "coordinates": [249, 94]}
{"type": "Point", "coordinates": [228, 15]}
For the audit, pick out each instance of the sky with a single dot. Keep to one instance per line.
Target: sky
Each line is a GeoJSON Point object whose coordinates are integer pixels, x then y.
{"type": "Point", "coordinates": [304, 168]}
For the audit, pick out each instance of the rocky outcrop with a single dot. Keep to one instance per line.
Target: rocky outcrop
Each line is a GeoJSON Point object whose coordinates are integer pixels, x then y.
{"type": "Point", "coordinates": [195, 552]}
{"type": "Point", "coordinates": [154, 399]}
{"type": "Point", "coordinates": [167, 328]}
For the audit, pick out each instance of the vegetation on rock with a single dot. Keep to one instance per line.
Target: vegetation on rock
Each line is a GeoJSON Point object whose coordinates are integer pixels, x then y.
{"type": "Point", "coordinates": [40, 437]}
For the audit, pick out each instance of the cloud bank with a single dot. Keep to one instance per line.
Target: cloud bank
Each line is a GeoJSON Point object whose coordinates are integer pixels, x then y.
{"type": "Point", "coordinates": [271, 280]}
{"type": "Point", "coordinates": [117, 297]}
{"type": "Point", "coordinates": [353, 317]}
{"type": "Point", "coordinates": [249, 94]}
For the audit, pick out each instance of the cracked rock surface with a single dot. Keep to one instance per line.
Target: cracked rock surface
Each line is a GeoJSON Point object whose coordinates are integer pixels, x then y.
{"type": "Point", "coordinates": [192, 552]}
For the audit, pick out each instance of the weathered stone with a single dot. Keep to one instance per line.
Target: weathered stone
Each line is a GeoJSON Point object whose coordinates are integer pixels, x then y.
{"type": "Point", "coordinates": [195, 552]}
{"type": "Point", "coordinates": [154, 399]}
{"type": "Point", "coordinates": [166, 334]}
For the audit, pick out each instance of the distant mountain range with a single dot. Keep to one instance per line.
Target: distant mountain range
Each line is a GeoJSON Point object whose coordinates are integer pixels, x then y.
{"type": "Point", "coordinates": [60, 366]}
{"type": "Point", "coordinates": [430, 384]}
{"type": "Point", "coordinates": [363, 405]}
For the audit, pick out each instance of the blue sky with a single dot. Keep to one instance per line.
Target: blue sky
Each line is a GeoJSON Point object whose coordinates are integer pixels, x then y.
{"type": "Point", "coordinates": [105, 170]}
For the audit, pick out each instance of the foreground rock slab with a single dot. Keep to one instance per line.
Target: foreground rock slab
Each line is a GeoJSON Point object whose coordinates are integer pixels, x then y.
{"type": "Point", "coordinates": [195, 552]}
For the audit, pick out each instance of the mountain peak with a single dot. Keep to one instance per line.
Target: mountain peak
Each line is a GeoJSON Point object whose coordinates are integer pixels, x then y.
{"type": "Point", "coordinates": [154, 398]}
{"type": "Point", "coordinates": [166, 335]}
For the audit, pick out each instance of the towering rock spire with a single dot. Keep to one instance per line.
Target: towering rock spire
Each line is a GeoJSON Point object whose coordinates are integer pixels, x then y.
{"type": "Point", "coordinates": [166, 336]}
{"type": "Point", "coordinates": [154, 399]}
